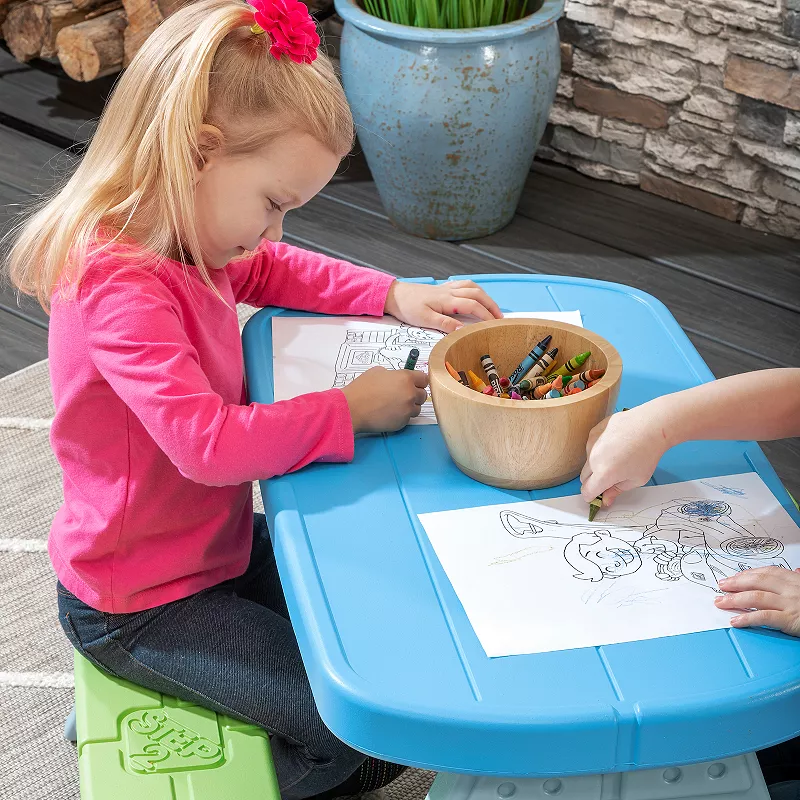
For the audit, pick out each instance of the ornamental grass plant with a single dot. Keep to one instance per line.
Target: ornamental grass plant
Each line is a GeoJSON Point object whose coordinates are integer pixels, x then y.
{"type": "Point", "coordinates": [451, 13]}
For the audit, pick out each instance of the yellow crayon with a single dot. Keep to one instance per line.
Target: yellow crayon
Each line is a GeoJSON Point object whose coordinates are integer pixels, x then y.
{"type": "Point", "coordinates": [475, 382]}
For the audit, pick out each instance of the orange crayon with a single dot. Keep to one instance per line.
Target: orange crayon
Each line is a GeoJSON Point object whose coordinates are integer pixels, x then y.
{"type": "Point", "coordinates": [540, 391]}
{"type": "Point", "coordinates": [449, 367]}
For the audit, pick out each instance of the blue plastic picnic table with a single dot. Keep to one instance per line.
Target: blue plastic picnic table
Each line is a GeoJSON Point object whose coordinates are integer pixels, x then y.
{"type": "Point", "coordinates": [395, 666]}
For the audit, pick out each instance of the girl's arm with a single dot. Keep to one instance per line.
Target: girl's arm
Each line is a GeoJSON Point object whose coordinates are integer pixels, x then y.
{"type": "Point", "coordinates": [136, 340]}
{"type": "Point", "coordinates": [624, 450]}
{"type": "Point", "coordinates": [281, 275]}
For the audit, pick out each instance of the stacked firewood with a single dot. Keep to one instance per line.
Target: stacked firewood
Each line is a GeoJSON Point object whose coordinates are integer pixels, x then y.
{"type": "Point", "coordinates": [91, 38]}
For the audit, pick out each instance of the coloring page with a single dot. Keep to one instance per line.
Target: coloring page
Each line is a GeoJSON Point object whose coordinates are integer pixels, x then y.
{"type": "Point", "coordinates": [312, 354]}
{"type": "Point", "coordinates": [536, 576]}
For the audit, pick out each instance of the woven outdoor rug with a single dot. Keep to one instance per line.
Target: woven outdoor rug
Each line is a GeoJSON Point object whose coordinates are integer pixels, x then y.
{"type": "Point", "coordinates": [36, 686]}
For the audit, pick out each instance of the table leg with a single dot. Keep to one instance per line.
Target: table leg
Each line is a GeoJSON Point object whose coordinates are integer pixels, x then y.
{"type": "Point", "coordinates": [736, 778]}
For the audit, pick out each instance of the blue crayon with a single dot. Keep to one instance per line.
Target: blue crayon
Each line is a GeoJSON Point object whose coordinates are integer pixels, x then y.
{"type": "Point", "coordinates": [530, 360]}
{"type": "Point", "coordinates": [552, 394]}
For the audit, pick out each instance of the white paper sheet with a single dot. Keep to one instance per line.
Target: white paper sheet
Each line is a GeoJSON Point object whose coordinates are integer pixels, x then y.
{"type": "Point", "coordinates": [312, 354]}
{"type": "Point", "coordinates": [536, 576]}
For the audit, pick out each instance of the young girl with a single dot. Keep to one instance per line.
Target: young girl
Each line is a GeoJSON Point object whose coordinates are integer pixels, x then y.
{"type": "Point", "coordinates": [225, 120]}
{"type": "Point", "coordinates": [623, 452]}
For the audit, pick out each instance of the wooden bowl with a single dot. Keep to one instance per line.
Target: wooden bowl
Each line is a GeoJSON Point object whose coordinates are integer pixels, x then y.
{"type": "Point", "coordinates": [516, 444]}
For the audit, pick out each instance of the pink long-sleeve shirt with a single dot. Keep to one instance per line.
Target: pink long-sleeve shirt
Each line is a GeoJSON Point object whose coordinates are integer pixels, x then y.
{"type": "Point", "coordinates": [152, 429]}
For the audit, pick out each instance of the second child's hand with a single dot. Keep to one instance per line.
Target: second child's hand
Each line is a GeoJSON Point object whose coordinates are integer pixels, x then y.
{"type": "Point", "coordinates": [428, 306]}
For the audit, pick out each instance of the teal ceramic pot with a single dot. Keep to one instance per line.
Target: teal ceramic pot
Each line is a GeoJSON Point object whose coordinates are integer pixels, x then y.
{"type": "Point", "coordinates": [449, 120]}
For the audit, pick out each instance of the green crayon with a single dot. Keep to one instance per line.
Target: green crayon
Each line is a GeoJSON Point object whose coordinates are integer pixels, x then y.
{"type": "Point", "coordinates": [411, 361]}
{"type": "Point", "coordinates": [573, 365]}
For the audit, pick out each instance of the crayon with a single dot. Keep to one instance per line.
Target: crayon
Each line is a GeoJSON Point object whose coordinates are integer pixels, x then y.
{"type": "Point", "coordinates": [462, 376]}
{"type": "Point", "coordinates": [525, 385]}
{"type": "Point", "coordinates": [589, 375]}
{"type": "Point", "coordinates": [558, 383]}
{"type": "Point", "coordinates": [516, 396]}
{"type": "Point", "coordinates": [530, 359]}
{"type": "Point", "coordinates": [566, 379]}
{"type": "Point", "coordinates": [413, 356]}
{"type": "Point", "coordinates": [573, 364]}
{"type": "Point", "coordinates": [540, 391]}
{"type": "Point", "coordinates": [596, 504]}
{"type": "Point", "coordinates": [449, 367]}
{"type": "Point", "coordinates": [543, 364]}
{"type": "Point", "coordinates": [505, 383]}
{"type": "Point", "coordinates": [475, 382]}
{"type": "Point", "coordinates": [505, 396]}
{"type": "Point", "coordinates": [592, 383]}
{"type": "Point", "coordinates": [577, 384]}
{"type": "Point", "coordinates": [491, 373]}
{"type": "Point", "coordinates": [573, 389]}
{"type": "Point", "coordinates": [488, 391]}
{"type": "Point", "coordinates": [552, 394]}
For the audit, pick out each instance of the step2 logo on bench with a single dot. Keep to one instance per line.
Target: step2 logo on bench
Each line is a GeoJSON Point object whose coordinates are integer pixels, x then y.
{"type": "Point", "coordinates": [154, 742]}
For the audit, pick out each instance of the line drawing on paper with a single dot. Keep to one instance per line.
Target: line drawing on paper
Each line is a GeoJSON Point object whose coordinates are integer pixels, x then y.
{"type": "Point", "coordinates": [367, 348]}
{"type": "Point", "coordinates": [691, 539]}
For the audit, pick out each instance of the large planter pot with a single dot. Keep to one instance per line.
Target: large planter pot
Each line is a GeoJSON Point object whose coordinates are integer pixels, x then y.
{"type": "Point", "coordinates": [449, 120]}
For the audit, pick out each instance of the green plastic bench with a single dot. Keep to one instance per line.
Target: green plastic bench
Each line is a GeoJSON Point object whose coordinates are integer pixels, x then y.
{"type": "Point", "coordinates": [134, 744]}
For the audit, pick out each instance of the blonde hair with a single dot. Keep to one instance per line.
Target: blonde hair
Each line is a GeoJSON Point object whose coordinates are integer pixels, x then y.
{"type": "Point", "coordinates": [202, 65]}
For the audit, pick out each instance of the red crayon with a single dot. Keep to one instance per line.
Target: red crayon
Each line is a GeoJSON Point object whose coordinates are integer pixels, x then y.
{"type": "Point", "coordinates": [505, 383]}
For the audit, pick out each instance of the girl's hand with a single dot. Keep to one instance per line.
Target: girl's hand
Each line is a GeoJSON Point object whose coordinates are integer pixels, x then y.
{"type": "Point", "coordinates": [622, 453]}
{"type": "Point", "coordinates": [385, 399]}
{"type": "Point", "coordinates": [774, 593]}
{"type": "Point", "coordinates": [434, 306]}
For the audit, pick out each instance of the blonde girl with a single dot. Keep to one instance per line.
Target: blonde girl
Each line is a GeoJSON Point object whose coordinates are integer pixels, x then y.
{"type": "Point", "coordinates": [226, 119]}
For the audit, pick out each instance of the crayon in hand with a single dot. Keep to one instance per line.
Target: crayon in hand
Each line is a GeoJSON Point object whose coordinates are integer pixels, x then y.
{"type": "Point", "coordinates": [413, 357]}
{"type": "Point", "coordinates": [530, 360]}
{"type": "Point", "coordinates": [596, 504]}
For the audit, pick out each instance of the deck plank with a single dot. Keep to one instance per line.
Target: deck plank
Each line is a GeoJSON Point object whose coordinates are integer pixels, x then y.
{"type": "Point", "coordinates": [685, 241]}
{"type": "Point", "coordinates": [22, 343]}
{"type": "Point", "coordinates": [705, 309]}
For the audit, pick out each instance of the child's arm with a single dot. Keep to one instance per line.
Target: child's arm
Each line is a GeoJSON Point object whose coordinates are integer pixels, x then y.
{"type": "Point", "coordinates": [773, 592]}
{"type": "Point", "coordinates": [281, 275]}
{"type": "Point", "coordinates": [623, 450]}
{"type": "Point", "coordinates": [135, 337]}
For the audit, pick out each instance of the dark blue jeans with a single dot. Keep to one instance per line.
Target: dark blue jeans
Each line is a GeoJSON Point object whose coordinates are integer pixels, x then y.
{"type": "Point", "coordinates": [230, 648]}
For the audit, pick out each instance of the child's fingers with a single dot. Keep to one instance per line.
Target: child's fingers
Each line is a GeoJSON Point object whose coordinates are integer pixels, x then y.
{"type": "Point", "coordinates": [765, 578]}
{"type": "Point", "coordinates": [597, 483]}
{"type": "Point", "coordinates": [610, 495]}
{"type": "Point", "coordinates": [463, 305]}
{"type": "Point", "coordinates": [483, 298]}
{"type": "Point", "coordinates": [754, 619]}
{"type": "Point", "coordinates": [441, 322]}
{"type": "Point", "coordinates": [763, 601]}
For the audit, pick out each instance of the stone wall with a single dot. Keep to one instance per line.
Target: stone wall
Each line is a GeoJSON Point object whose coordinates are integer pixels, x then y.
{"type": "Point", "coordinates": [698, 102]}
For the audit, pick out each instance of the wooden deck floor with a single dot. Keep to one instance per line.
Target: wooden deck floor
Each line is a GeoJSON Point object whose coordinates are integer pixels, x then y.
{"type": "Point", "coordinates": [735, 292]}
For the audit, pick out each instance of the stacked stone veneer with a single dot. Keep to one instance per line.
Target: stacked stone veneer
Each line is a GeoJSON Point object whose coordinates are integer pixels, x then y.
{"type": "Point", "coordinates": [698, 102]}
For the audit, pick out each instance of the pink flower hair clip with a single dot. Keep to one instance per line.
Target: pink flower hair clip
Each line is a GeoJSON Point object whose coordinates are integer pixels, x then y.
{"type": "Point", "coordinates": [289, 27]}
